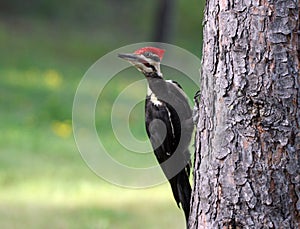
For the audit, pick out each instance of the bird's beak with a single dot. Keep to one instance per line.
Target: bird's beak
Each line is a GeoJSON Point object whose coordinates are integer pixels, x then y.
{"type": "Point", "coordinates": [131, 57]}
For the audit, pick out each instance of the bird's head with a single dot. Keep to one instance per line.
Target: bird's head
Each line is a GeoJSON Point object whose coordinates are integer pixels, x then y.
{"type": "Point", "coordinates": [147, 60]}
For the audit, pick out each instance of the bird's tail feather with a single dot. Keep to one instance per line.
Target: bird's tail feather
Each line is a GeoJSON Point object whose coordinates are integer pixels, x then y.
{"type": "Point", "coordinates": [181, 189]}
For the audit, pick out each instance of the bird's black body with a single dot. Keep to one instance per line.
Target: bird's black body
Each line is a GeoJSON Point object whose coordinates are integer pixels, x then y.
{"type": "Point", "coordinates": [168, 103]}
{"type": "Point", "coordinates": [169, 123]}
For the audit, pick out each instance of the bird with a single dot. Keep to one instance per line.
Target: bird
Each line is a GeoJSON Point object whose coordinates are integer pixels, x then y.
{"type": "Point", "coordinates": [169, 122]}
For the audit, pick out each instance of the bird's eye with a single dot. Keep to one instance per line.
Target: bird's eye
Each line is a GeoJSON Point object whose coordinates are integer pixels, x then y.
{"type": "Point", "coordinates": [151, 56]}
{"type": "Point", "coordinates": [148, 54]}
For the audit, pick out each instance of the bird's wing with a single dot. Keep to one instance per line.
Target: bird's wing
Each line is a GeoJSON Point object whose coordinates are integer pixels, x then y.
{"type": "Point", "coordinates": [180, 105]}
{"type": "Point", "coordinates": [178, 95]}
{"type": "Point", "coordinates": [160, 130]}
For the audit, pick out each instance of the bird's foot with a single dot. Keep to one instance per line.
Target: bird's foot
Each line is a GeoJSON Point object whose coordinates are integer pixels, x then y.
{"type": "Point", "coordinates": [196, 107]}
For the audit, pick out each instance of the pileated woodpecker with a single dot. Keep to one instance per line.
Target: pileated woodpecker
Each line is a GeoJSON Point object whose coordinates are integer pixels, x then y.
{"type": "Point", "coordinates": [169, 123]}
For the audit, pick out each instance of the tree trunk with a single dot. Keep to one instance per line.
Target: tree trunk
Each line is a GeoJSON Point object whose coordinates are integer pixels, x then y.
{"type": "Point", "coordinates": [247, 160]}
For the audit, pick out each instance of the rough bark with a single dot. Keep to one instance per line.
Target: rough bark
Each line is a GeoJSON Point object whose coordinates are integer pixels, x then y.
{"type": "Point", "coordinates": [247, 160]}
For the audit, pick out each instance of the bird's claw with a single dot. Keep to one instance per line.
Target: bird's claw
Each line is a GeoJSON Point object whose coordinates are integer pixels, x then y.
{"type": "Point", "coordinates": [196, 107]}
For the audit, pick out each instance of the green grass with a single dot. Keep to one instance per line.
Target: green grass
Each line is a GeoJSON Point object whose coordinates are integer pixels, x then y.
{"type": "Point", "coordinates": [44, 183]}
{"type": "Point", "coordinates": [84, 203]}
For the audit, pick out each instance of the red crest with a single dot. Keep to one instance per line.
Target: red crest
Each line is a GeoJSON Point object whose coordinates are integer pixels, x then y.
{"type": "Point", "coordinates": [157, 51]}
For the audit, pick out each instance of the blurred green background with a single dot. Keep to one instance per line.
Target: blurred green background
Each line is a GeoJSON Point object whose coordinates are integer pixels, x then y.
{"type": "Point", "coordinates": [46, 47]}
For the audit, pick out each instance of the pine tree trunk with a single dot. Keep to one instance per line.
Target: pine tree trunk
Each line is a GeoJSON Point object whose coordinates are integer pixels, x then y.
{"type": "Point", "coordinates": [247, 160]}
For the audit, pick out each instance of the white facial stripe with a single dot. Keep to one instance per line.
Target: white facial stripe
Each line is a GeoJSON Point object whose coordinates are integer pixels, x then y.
{"type": "Point", "coordinates": [143, 68]}
{"type": "Point", "coordinates": [157, 67]}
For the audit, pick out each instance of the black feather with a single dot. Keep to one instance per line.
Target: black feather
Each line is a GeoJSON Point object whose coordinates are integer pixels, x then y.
{"type": "Point", "coordinates": [169, 128]}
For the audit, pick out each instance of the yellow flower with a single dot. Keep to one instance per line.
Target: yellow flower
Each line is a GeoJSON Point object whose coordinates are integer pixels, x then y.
{"type": "Point", "coordinates": [62, 129]}
{"type": "Point", "coordinates": [53, 79]}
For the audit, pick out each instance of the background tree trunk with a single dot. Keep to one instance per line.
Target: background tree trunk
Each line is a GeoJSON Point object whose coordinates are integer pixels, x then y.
{"type": "Point", "coordinates": [164, 20]}
{"type": "Point", "coordinates": [247, 165]}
